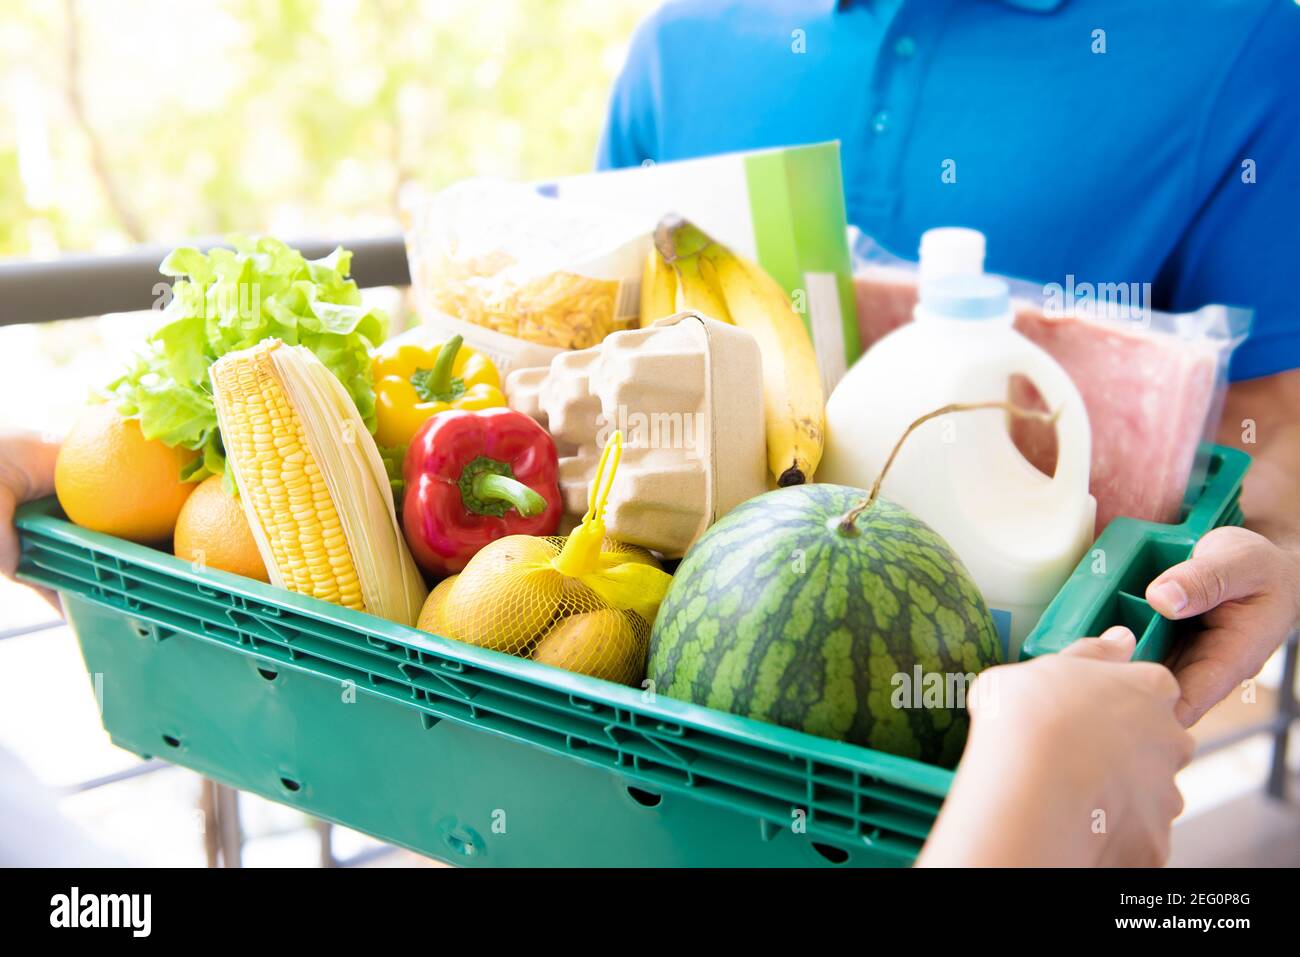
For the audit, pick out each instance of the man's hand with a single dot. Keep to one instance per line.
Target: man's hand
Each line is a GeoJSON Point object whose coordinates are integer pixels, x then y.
{"type": "Point", "coordinates": [1246, 585]}
{"type": "Point", "coordinates": [1071, 762]}
{"type": "Point", "coordinates": [1248, 591]}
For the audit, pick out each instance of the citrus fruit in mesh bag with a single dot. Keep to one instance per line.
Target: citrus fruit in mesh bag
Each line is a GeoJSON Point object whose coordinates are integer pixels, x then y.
{"type": "Point", "coordinates": [582, 603]}
{"type": "Point", "coordinates": [506, 596]}
{"type": "Point", "coordinates": [431, 613]}
{"type": "Point", "coordinates": [606, 643]}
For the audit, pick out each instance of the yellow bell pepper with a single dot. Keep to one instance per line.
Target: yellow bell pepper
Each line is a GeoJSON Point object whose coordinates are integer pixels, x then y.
{"type": "Point", "coordinates": [415, 381]}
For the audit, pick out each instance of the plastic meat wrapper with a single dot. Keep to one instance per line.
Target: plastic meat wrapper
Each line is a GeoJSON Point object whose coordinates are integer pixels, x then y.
{"type": "Point", "coordinates": [1153, 382]}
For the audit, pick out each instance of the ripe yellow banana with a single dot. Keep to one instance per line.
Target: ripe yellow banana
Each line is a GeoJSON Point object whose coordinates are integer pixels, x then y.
{"type": "Point", "coordinates": [697, 287]}
{"type": "Point", "coordinates": [658, 288]}
{"type": "Point", "coordinates": [794, 403]}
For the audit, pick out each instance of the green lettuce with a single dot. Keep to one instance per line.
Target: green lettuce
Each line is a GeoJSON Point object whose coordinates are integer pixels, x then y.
{"type": "Point", "coordinates": [394, 456]}
{"type": "Point", "coordinates": [230, 299]}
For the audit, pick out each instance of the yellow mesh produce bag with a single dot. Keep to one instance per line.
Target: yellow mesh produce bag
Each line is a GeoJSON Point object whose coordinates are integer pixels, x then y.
{"type": "Point", "coordinates": [582, 603]}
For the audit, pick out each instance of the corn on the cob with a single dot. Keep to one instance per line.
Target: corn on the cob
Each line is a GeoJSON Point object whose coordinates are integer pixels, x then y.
{"type": "Point", "coordinates": [312, 482]}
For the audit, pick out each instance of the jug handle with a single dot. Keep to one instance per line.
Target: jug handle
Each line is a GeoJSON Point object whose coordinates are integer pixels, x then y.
{"type": "Point", "coordinates": [1073, 433]}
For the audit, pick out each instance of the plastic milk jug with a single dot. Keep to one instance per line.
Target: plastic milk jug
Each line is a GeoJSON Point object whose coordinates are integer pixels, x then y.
{"type": "Point", "coordinates": [1019, 532]}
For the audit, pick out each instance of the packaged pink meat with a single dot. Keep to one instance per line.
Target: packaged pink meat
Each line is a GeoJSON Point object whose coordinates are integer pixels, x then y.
{"type": "Point", "coordinates": [1148, 396]}
{"type": "Point", "coordinates": [1152, 382]}
{"type": "Point", "coordinates": [884, 296]}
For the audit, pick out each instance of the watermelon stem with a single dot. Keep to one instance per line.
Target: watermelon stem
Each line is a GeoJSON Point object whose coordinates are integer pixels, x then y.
{"type": "Point", "coordinates": [848, 523]}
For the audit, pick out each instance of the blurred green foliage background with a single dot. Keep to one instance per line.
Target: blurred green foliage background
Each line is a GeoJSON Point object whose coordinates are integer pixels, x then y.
{"type": "Point", "coordinates": [123, 121]}
{"type": "Point", "coordinates": [162, 121]}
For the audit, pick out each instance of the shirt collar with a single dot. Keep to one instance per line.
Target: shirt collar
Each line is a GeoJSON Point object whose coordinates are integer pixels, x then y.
{"type": "Point", "coordinates": [1037, 6]}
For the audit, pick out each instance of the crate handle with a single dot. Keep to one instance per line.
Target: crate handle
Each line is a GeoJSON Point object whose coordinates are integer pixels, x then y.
{"type": "Point", "coordinates": [1225, 473]}
{"type": "Point", "coordinates": [1084, 594]}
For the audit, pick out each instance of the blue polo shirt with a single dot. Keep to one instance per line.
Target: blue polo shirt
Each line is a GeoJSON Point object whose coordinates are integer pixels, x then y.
{"type": "Point", "coordinates": [1115, 140]}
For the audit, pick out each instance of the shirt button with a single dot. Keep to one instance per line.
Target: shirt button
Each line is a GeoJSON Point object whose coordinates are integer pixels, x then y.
{"type": "Point", "coordinates": [905, 47]}
{"type": "Point", "coordinates": [880, 122]}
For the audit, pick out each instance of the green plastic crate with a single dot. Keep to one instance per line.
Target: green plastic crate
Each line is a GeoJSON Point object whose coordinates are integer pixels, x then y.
{"type": "Point", "coordinates": [480, 758]}
{"type": "Point", "coordinates": [1107, 586]}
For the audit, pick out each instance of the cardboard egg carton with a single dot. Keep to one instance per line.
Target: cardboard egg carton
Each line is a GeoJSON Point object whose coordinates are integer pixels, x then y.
{"type": "Point", "coordinates": [687, 394]}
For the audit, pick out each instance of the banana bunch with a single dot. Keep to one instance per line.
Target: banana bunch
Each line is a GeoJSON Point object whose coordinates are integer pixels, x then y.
{"type": "Point", "coordinates": [687, 270]}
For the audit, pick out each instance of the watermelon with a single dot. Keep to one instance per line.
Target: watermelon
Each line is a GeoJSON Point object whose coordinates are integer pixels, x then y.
{"type": "Point", "coordinates": [784, 613]}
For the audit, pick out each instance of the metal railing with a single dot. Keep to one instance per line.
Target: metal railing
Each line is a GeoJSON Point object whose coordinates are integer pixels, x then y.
{"type": "Point", "coordinates": [74, 287]}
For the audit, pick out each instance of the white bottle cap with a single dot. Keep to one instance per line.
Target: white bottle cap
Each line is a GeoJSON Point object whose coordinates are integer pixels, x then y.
{"type": "Point", "coordinates": [951, 251]}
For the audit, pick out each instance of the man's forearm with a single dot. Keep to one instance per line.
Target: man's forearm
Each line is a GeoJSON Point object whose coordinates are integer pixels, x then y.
{"type": "Point", "coordinates": [1271, 494]}
{"type": "Point", "coordinates": [1262, 417]}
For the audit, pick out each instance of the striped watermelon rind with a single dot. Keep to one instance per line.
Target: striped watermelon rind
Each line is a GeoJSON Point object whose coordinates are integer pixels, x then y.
{"type": "Point", "coordinates": [776, 615]}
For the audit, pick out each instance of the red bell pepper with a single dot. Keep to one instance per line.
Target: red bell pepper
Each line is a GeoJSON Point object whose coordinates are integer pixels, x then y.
{"type": "Point", "coordinates": [474, 477]}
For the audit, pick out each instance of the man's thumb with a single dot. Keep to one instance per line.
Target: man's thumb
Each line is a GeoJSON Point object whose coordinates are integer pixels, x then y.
{"type": "Point", "coordinates": [1225, 565]}
{"type": "Point", "coordinates": [1115, 644]}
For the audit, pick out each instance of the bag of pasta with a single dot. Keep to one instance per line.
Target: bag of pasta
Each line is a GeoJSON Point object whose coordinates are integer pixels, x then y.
{"type": "Point", "coordinates": [520, 275]}
{"type": "Point", "coordinates": [583, 602]}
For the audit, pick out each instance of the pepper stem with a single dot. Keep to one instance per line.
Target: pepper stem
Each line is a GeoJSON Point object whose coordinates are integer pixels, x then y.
{"type": "Point", "coordinates": [489, 486]}
{"type": "Point", "coordinates": [846, 523]}
{"type": "Point", "coordinates": [440, 376]}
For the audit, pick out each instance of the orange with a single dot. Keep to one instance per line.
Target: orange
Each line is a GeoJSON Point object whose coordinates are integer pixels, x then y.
{"type": "Point", "coordinates": [213, 531]}
{"type": "Point", "coordinates": [111, 479]}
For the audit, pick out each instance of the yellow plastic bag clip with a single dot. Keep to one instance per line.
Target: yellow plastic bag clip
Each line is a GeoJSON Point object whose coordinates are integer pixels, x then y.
{"type": "Point", "coordinates": [623, 584]}
{"type": "Point", "coordinates": [581, 553]}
